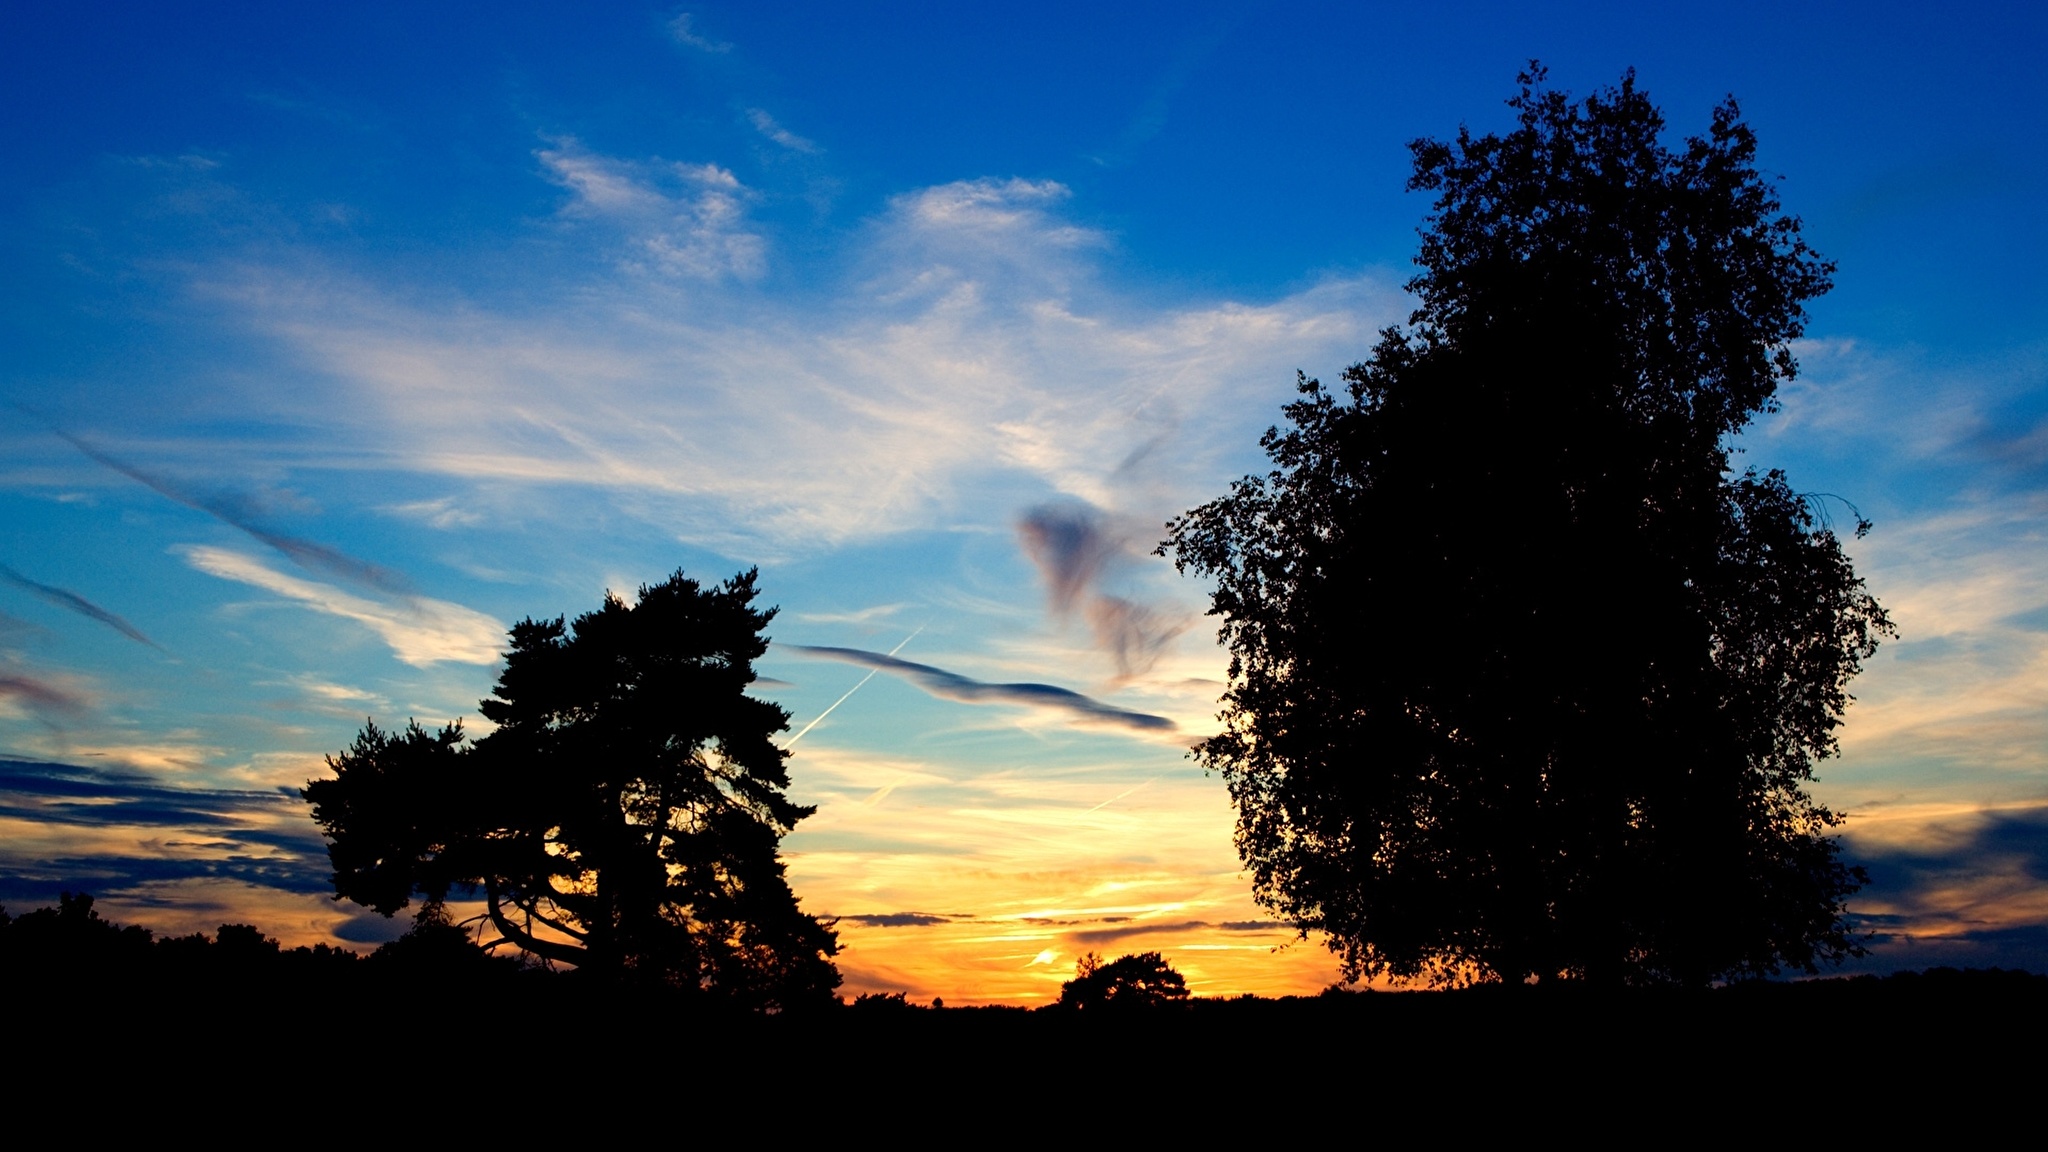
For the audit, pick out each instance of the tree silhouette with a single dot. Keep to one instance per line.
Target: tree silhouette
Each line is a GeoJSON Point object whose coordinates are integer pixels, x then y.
{"type": "Point", "coordinates": [1526, 681]}
{"type": "Point", "coordinates": [1142, 980]}
{"type": "Point", "coordinates": [623, 817]}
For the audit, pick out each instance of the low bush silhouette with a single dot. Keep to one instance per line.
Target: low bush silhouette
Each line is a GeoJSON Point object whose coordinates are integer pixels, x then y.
{"type": "Point", "coordinates": [71, 945]}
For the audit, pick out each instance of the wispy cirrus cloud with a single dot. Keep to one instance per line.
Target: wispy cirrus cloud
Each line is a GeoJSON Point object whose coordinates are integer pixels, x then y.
{"type": "Point", "coordinates": [686, 220]}
{"type": "Point", "coordinates": [1943, 454]}
{"type": "Point", "coordinates": [953, 686]}
{"type": "Point", "coordinates": [419, 631]}
{"type": "Point", "coordinates": [442, 513]}
{"type": "Point", "coordinates": [973, 343]}
{"type": "Point", "coordinates": [872, 614]}
{"type": "Point", "coordinates": [767, 126]}
{"type": "Point", "coordinates": [683, 30]}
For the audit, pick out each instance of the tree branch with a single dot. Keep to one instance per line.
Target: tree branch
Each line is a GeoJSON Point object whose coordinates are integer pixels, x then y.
{"type": "Point", "coordinates": [526, 941]}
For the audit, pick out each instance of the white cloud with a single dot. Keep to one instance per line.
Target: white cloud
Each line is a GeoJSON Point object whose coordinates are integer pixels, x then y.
{"type": "Point", "coordinates": [992, 207]}
{"type": "Point", "coordinates": [419, 631]}
{"type": "Point", "coordinates": [442, 513]}
{"type": "Point", "coordinates": [683, 30]}
{"type": "Point", "coordinates": [1965, 685]}
{"type": "Point", "coordinates": [767, 126]}
{"type": "Point", "coordinates": [1944, 456]}
{"type": "Point", "coordinates": [873, 614]}
{"type": "Point", "coordinates": [601, 185]}
{"type": "Point", "coordinates": [973, 349]}
{"type": "Point", "coordinates": [678, 219]}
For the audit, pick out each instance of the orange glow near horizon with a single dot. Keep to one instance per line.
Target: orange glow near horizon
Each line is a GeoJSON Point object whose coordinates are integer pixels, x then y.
{"type": "Point", "coordinates": [985, 886]}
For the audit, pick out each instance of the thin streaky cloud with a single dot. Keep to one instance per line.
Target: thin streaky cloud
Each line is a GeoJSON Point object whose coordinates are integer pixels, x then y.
{"type": "Point", "coordinates": [858, 616]}
{"type": "Point", "coordinates": [896, 919]}
{"type": "Point", "coordinates": [63, 598]}
{"type": "Point", "coordinates": [306, 554]}
{"type": "Point", "coordinates": [1125, 931]}
{"type": "Point", "coordinates": [953, 686]}
{"type": "Point", "coordinates": [138, 795]}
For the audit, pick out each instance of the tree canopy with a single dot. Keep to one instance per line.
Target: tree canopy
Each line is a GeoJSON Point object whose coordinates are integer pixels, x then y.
{"type": "Point", "coordinates": [1526, 680]}
{"type": "Point", "coordinates": [1133, 981]}
{"type": "Point", "coordinates": [625, 814]}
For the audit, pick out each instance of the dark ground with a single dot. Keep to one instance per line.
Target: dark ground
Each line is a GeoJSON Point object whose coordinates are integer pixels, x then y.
{"type": "Point", "coordinates": [112, 1018]}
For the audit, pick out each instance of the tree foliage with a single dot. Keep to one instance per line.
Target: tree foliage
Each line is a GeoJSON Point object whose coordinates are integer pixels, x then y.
{"type": "Point", "coordinates": [625, 814]}
{"type": "Point", "coordinates": [1139, 980]}
{"type": "Point", "coordinates": [1526, 680]}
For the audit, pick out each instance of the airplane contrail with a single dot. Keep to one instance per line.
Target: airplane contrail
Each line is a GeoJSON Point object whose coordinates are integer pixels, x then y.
{"type": "Point", "coordinates": [1119, 796]}
{"type": "Point", "coordinates": [850, 691]}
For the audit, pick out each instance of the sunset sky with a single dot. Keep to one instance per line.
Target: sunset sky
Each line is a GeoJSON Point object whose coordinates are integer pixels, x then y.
{"type": "Point", "coordinates": [337, 340]}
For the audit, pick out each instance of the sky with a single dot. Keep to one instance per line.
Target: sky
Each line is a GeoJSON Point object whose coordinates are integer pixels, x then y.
{"type": "Point", "coordinates": [336, 339]}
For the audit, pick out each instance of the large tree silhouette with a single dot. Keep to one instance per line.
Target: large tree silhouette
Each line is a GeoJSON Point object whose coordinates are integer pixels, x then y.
{"type": "Point", "coordinates": [623, 817]}
{"type": "Point", "coordinates": [1526, 680]}
{"type": "Point", "coordinates": [1142, 980]}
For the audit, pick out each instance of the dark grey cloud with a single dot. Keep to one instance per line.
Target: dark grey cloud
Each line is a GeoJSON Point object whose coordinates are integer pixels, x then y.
{"type": "Point", "coordinates": [25, 882]}
{"type": "Point", "coordinates": [238, 512]}
{"type": "Point", "coordinates": [1120, 927]}
{"type": "Point", "coordinates": [2022, 946]}
{"type": "Point", "coordinates": [897, 919]}
{"type": "Point", "coordinates": [2014, 841]}
{"type": "Point", "coordinates": [291, 856]}
{"type": "Point", "coordinates": [1070, 546]}
{"type": "Point", "coordinates": [1074, 548]}
{"type": "Point", "coordinates": [1124, 931]}
{"type": "Point", "coordinates": [72, 601]}
{"type": "Point", "coordinates": [38, 694]}
{"type": "Point", "coordinates": [67, 787]}
{"type": "Point", "coordinates": [953, 686]}
{"type": "Point", "coordinates": [370, 928]}
{"type": "Point", "coordinates": [2008, 851]}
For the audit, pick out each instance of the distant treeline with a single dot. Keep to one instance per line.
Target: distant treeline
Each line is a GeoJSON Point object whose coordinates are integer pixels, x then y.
{"type": "Point", "coordinates": [71, 947]}
{"type": "Point", "coordinates": [71, 943]}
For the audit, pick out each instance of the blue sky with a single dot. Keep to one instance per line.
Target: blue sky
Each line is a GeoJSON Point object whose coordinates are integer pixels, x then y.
{"type": "Point", "coordinates": [335, 341]}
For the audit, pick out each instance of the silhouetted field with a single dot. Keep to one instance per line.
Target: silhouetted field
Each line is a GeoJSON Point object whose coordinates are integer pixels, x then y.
{"type": "Point", "coordinates": [118, 1005]}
